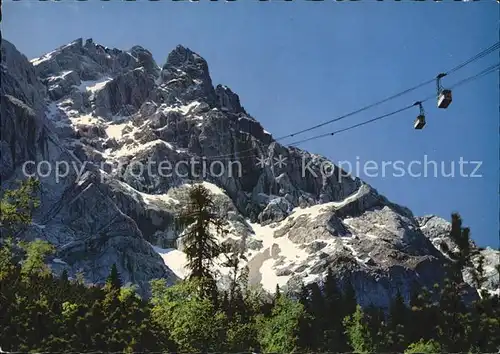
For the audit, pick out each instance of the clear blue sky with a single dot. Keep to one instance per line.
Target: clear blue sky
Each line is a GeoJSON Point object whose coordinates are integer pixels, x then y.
{"type": "Point", "coordinates": [301, 63]}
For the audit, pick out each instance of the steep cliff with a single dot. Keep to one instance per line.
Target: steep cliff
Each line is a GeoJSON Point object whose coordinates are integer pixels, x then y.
{"type": "Point", "coordinates": [128, 137]}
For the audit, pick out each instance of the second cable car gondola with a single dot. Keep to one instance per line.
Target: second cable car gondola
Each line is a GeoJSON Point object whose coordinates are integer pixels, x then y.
{"type": "Point", "coordinates": [443, 95]}
{"type": "Point", "coordinates": [420, 121]}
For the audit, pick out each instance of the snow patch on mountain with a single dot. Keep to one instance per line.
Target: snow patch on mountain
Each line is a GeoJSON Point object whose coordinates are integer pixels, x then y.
{"type": "Point", "coordinates": [175, 260]}
{"type": "Point", "coordinates": [136, 147]}
{"type": "Point", "coordinates": [213, 188]}
{"type": "Point", "coordinates": [94, 85]}
{"type": "Point", "coordinates": [279, 257]}
{"type": "Point", "coordinates": [115, 130]}
{"type": "Point", "coordinates": [43, 58]}
{"type": "Point", "coordinates": [60, 76]}
{"type": "Point", "coordinates": [159, 200]}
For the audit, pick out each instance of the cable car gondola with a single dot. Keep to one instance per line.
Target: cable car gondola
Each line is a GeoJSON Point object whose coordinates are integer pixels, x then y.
{"type": "Point", "coordinates": [420, 121]}
{"type": "Point", "coordinates": [443, 95]}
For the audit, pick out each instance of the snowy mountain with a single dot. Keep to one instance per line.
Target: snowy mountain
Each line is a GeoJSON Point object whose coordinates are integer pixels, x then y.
{"type": "Point", "coordinates": [129, 137]}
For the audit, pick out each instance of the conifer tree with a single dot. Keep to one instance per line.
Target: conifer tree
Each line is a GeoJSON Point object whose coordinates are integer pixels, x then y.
{"type": "Point", "coordinates": [225, 305]}
{"type": "Point", "coordinates": [306, 337]}
{"type": "Point", "coordinates": [279, 332]}
{"type": "Point", "coordinates": [238, 279]}
{"type": "Point", "coordinates": [318, 312]}
{"type": "Point", "coordinates": [114, 281]}
{"type": "Point", "coordinates": [36, 252]}
{"type": "Point", "coordinates": [277, 293]}
{"type": "Point", "coordinates": [200, 243]}
{"type": "Point", "coordinates": [397, 322]}
{"type": "Point", "coordinates": [451, 329]}
{"type": "Point", "coordinates": [17, 206]}
{"type": "Point", "coordinates": [478, 273]}
{"type": "Point", "coordinates": [358, 332]}
{"type": "Point", "coordinates": [333, 296]}
{"type": "Point", "coordinates": [334, 332]}
{"type": "Point", "coordinates": [380, 334]}
{"type": "Point", "coordinates": [422, 314]}
{"type": "Point", "coordinates": [349, 301]}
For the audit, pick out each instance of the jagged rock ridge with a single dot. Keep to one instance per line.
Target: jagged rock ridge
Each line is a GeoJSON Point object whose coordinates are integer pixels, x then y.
{"type": "Point", "coordinates": [107, 111]}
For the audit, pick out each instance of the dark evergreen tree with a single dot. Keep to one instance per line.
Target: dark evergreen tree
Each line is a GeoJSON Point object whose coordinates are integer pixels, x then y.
{"type": "Point", "coordinates": [225, 304]}
{"type": "Point", "coordinates": [358, 332]}
{"type": "Point", "coordinates": [423, 315]}
{"type": "Point", "coordinates": [277, 293]}
{"type": "Point", "coordinates": [238, 280]}
{"type": "Point", "coordinates": [318, 313]}
{"type": "Point", "coordinates": [200, 244]}
{"type": "Point", "coordinates": [451, 329]}
{"type": "Point", "coordinates": [398, 322]}
{"type": "Point", "coordinates": [17, 206]}
{"type": "Point", "coordinates": [114, 281]}
{"type": "Point", "coordinates": [40, 312]}
{"type": "Point", "coordinates": [379, 333]}
{"type": "Point", "coordinates": [306, 335]}
{"type": "Point", "coordinates": [349, 301]}
{"type": "Point", "coordinates": [333, 296]}
{"type": "Point", "coordinates": [334, 339]}
{"type": "Point", "coordinates": [478, 273]}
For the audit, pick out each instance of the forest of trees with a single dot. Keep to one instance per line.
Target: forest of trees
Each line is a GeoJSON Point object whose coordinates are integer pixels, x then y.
{"type": "Point", "coordinates": [40, 312]}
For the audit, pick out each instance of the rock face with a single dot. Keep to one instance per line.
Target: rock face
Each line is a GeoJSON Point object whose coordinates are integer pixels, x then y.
{"type": "Point", "coordinates": [133, 136]}
{"type": "Point", "coordinates": [437, 230]}
{"type": "Point", "coordinates": [79, 212]}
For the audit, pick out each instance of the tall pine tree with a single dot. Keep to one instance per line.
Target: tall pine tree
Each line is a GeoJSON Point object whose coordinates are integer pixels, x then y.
{"type": "Point", "coordinates": [200, 218]}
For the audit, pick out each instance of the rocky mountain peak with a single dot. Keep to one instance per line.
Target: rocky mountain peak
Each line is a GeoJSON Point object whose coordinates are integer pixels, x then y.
{"type": "Point", "coordinates": [228, 101]}
{"type": "Point", "coordinates": [104, 111]}
{"type": "Point", "coordinates": [145, 60]}
{"type": "Point", "coordinates": [185, 77]}
{"type": "Point", "coordinates": [180, 56]}
{"type": "Point", "coordinates": [19, 79]}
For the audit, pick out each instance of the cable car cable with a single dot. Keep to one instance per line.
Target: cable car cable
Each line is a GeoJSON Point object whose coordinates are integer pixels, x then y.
{"type": "Point", "coordinates": [478, 56]}
{"type": "Point", "coordinates": [354, 126]}
{"type": "Point", "coordinates": [491, 49]}
{"type": "Point", "coordinates": [485, 72]}
{"type": "Point", "coordinates": [357, 111]}
{"type": "Point", "coordinates": [470, 60]}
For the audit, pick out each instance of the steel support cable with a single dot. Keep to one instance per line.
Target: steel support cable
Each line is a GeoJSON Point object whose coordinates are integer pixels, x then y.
{"type": "Point", "coordinates": [484, 72]}
{"type": "Point", "coordinates": [478, 56]}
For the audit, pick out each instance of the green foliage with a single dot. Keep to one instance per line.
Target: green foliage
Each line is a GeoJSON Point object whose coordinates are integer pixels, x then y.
{"type": "Point", "coordinates": [36, 252]}
{"type": "Point", "coordinates": [279, 333]}
{"type": "Point", "coordinates": [358, 332]}
{"type": "Point", "coordinates": [424, 347]}
{"type": "Point", "coordinates": [461, 237]}
{"type": "Point", "coordinates": [478, 273]}
{"type": "Point", "coordinates": [7, 260]}
{"type": "Point", "coordinates": [398, 320]}
{"type": "Point", "coordinates": [42, 313]}
{"type": "Point", "coordinates": [194, 323]}
{"type": "Point", "coordinates": [200, 218]}
{"type": "Point", "coordinates": [16, 207]}
{"type": "Point", "coordinates": [241, 336]}
{"type": "Point", "coordinates": [114, 282]}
